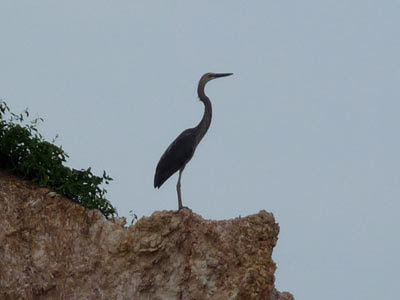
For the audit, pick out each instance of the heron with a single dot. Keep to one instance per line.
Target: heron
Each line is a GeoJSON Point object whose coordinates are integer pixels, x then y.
{"type": "Point", "coordinates": [182, 149]}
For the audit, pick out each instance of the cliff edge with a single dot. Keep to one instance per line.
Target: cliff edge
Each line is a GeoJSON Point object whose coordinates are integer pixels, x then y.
{"type": "Point", "coordinates": [52, 248]}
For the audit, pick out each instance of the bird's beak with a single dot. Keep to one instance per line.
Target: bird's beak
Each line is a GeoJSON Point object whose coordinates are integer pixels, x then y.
{"type": "Point", "coordinates": [217, 75]}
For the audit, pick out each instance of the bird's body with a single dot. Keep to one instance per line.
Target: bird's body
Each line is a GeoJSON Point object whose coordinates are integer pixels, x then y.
{"type": "Point", "coordinates": [182, 149]}
{"type": "Point", "coordinates": [175, 157]}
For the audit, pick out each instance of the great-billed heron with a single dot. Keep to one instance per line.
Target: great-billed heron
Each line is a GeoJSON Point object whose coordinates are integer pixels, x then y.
{"type": "Point", "coordinates": [181, 150]}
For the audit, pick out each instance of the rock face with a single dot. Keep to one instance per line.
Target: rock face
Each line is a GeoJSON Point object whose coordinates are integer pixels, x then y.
{"type": "Point", "coordinates": [52, 248]}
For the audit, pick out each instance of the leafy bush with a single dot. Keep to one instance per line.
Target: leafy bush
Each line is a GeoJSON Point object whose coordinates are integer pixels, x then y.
{"type": "Point", "coordinates": [24, 151]}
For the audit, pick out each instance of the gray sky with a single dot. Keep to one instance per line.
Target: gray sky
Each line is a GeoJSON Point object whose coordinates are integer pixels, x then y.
{"type": "Point", "coordinates": [307, 127]}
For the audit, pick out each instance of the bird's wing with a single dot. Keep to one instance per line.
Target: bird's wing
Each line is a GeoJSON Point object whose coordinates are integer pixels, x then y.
{"type": "Point", "coordinates": [175, 157]}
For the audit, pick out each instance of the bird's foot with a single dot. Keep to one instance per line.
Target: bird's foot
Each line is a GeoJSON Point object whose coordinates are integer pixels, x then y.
{"type": "Point", "coordinates": [183, 207]}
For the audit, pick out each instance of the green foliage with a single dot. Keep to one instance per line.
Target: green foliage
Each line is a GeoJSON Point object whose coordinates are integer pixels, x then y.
{"type": "Point", "coordinates": [24, 151]}
{"type": "Point", "coordinates": [133, 216]}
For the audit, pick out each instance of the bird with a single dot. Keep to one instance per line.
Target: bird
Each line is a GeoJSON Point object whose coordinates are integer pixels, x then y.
{"type": "Point", "coordinates": [182, 149]}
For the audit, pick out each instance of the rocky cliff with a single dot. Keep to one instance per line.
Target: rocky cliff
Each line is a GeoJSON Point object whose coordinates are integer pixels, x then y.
{"type": "Point", "coordinates": [52, 248]}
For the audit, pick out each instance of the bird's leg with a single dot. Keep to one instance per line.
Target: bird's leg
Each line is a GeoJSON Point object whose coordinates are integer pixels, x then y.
{"type": "Point", "coordinates": [178, 189]}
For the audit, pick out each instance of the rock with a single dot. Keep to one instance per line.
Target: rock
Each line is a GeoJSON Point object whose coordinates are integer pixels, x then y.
{"type": "Point", "coordinates": [52, 248]}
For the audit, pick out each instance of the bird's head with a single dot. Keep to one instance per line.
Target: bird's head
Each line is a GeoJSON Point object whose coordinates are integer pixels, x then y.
{"type": "Point", "coordinates": [210, 76]}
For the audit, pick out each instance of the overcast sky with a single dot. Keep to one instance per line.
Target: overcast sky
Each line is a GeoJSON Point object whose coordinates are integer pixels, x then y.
{"type": "Point", "coordinates": [307, 128]}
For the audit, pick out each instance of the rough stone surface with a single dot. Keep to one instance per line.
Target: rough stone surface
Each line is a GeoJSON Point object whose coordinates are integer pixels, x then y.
{"type": "Point", "coordinates": [52, 248]}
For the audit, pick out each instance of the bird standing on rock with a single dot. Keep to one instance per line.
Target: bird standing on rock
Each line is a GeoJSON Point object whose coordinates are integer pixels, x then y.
{"type": "Point", "coordinates": [181, 150]}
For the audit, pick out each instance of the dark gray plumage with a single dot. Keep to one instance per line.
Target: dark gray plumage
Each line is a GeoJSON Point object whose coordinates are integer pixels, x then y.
{"type": "Point", "coordinates": [181, 150]}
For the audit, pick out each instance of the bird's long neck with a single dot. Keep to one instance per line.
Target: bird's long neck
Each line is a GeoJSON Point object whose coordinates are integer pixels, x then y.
{"type": "Point", "coordinates": [206, 120]}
